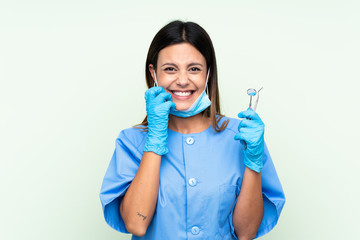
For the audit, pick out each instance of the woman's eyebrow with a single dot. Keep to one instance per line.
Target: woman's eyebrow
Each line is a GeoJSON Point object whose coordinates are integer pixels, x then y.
{"type": "Point", "coordinates": [193, 64]}
{"type": "Point", "coordinates": [171, 64]}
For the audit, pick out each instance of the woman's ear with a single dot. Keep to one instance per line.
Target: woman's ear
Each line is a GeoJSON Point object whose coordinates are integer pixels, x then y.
{"type": "Point", "coordinates": [151, 69]}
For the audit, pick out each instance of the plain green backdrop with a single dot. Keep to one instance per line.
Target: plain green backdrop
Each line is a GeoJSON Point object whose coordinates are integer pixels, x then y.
{"type": "Point", "coordinates": [72, 77]}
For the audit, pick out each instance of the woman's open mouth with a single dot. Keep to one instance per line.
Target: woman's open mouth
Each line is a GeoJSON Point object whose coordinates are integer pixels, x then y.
{"type": "Point", "coordinates": [182, 95]}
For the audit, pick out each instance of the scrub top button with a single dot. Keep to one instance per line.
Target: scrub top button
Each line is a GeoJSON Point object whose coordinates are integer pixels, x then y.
{"type": "Point", "coordinates": [195, 230]}
{"type": "Point", "coordinates": [190, 140]}
{"type": "Point", "coordinates": [192, 182]}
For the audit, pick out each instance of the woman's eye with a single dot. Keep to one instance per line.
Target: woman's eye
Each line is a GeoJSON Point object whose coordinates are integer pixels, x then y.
{"type": "Point", "coordinates": [194, 69]}
{"type": "Point", "coordinates": [169, 69]}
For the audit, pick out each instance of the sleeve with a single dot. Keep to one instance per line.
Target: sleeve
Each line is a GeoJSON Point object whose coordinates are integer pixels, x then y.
{"type": "Point", "coordinates": [118, 177]}
{"type": "Point", "coordinates": [273, 195]}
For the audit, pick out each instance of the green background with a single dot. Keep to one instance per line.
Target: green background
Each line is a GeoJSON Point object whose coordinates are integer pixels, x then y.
{"type": "Point", "coordinates": [72, 77]}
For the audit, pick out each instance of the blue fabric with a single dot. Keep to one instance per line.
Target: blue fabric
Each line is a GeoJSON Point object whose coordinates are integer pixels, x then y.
{"type": "Point", "coordinates": [200, 180]}
{"type": "Point", "coordinates": [200, 104]}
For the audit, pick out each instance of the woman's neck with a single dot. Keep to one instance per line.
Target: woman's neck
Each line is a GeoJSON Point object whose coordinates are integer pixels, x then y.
{"type": "Point", "coordinates": [194, 124]}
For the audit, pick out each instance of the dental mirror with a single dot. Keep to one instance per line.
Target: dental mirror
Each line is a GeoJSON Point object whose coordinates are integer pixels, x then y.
{"type": "Point", "coordinates": [251, 92]}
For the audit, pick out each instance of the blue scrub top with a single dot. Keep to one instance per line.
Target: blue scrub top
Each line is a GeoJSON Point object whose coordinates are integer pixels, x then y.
{"type": "Point", "coordinates": [200, 180]}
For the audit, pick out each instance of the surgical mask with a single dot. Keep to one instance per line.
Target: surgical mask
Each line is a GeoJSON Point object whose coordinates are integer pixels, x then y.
{"type": "Point", "coordinates": [200, 104]}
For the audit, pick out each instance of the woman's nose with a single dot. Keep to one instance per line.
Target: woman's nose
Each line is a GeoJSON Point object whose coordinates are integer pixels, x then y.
{"type": "Point", "coordinates": [183, 79]}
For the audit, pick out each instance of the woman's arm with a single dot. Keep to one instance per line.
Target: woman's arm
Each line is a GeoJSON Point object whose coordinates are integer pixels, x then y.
{"type": "Point", "coordinates": [138, 205]}
{"type": "Point", "coordinates": [249, 208]}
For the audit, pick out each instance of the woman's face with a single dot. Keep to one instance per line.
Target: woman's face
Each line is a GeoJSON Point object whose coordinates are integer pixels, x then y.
{"type": "Point", "coordinates": [181, 71]}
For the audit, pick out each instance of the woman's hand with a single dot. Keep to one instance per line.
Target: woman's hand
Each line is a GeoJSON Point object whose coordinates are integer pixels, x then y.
{"type": "Point", "coordinates": [251, 130]}
{"type": "Point", "coordinates": [158, 105]}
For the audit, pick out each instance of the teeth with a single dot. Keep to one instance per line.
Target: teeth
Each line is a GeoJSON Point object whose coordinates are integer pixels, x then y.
{"type": "Point", "coordinates": [182, 94]}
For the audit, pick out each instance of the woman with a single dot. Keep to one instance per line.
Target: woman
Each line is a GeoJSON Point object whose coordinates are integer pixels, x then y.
{"type": "Point", "coordinates": [188, 172]}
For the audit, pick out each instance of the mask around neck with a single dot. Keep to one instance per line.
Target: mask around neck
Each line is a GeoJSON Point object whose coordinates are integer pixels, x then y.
{"type": "Point", "coordinates": [200, 104]}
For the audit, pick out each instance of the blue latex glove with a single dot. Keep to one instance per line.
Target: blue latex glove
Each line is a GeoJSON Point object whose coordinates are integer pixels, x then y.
{"type": "Point", "coordinates": [251, 130]}
{"type": "Point", "coordinates": [158, 105]}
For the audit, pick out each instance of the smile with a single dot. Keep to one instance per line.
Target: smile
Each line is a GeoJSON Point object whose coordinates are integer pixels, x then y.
{"type": "Point", "coordinates": [182, 95]}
